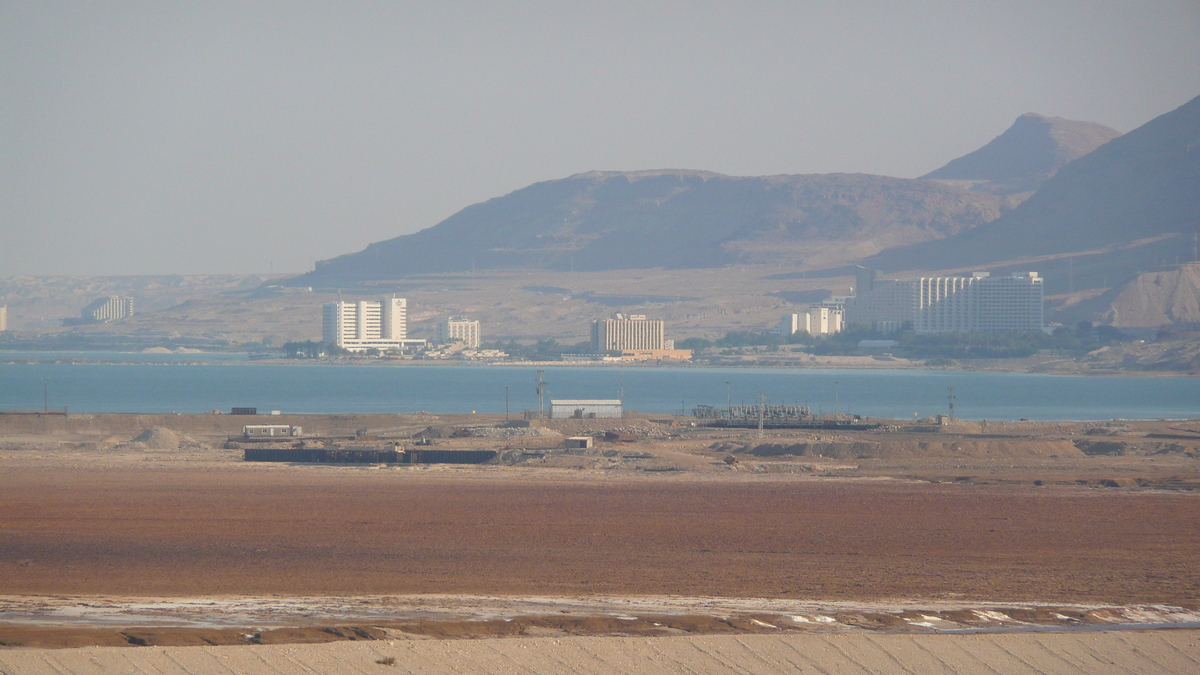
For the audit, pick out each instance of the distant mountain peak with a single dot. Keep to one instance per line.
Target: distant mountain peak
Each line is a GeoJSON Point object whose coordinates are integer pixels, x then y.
{"type": "Point", "coordinates": [1131, 205]}
{"type": "Point", "coordinates": [1024, 156]}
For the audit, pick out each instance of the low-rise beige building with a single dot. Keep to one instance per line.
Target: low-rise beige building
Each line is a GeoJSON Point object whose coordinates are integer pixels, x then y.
{"type": "Point", "coordinates": [655, 354]}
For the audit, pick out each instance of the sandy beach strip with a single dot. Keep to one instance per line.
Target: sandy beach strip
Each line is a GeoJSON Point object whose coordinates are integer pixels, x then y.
{"type": "Point", "coordinates": [1145, 652]}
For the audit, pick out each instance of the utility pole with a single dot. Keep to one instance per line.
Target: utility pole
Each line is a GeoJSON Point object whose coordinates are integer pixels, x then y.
{"type": "Point", "coordinates": [506, 403]}
{"type": "Point", "coordinates": [621, 391]}
{"type": "Point", "coordinates": [951, 398]}
{"type": "Point", "coordinates": [45, 394]}
{"type": "Point", "coordinates": [762, 404]}
{"type": "Point", "coordinates": [541, 389]}
{"type": "Point", "coordinates": [836, 402]}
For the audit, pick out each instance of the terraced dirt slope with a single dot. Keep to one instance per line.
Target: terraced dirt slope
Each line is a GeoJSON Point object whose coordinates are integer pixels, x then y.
{"type": "Point", "coordinates": [1147, 653]}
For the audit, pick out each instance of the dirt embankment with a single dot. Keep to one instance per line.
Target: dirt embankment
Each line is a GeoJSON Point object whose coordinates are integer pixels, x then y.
{"type": "Point", "coordinates": [1098, 653]}
{"type": "Point", "coordinates": [604, 622]}
{"type": "Point", "coordinates": [1188, 448]}
{"type": "Point", "coordinates": [904, 448]}
{"type": "Point", "coordinates": [213, 425]}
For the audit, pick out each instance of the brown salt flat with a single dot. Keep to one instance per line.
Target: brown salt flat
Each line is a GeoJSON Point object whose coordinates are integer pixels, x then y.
{"type": "Point", "coordinates": [180, 531]}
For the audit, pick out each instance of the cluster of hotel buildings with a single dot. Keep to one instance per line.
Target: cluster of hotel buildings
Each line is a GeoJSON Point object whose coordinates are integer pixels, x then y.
{"type": "Point", "coordinates": [974, 302]}
{"type": "Point", "coordinates": [822, 319]}
{"type": "Point", "coordinates": [383, 325]}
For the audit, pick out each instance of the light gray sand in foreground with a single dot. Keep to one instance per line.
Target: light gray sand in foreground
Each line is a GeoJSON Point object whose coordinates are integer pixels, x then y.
{"type": "Point", "coordinates": [1146, 652]}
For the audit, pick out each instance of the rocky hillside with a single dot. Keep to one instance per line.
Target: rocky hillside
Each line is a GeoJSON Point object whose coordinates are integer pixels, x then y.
{"type": "Point", "coordinates": [674, 219]}
{"type": "Point", "coordinates": [1033, 149]}
{"type": "Point", "coordinates": [41, 303]}
{"type": "Point", "coordinates": [1154, 299]}
{"type": "Point", "coordinates": [1130, 205]}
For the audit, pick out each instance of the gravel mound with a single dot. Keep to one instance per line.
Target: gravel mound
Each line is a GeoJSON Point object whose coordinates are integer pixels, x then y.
{"type": "Point", "coordinates": [512, 432]}
{"type": "Point", "coordinates": [162, 438]}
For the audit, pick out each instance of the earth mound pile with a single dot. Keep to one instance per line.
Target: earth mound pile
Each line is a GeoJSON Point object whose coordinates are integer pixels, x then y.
{"type": "Point", "coordinates": [162, 438]}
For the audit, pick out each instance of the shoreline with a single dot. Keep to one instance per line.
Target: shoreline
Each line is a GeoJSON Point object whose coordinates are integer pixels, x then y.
{"type": "Point", "coordinates": [880, 366]}
{"type": "Point", "coordinates": [71, 621]}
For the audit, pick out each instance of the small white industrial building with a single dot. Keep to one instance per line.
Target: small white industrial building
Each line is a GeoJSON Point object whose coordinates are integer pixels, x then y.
{"type": "Point", "coordinates": [255, 430]}
{"type": "Point", "coordinates": [585, 409]}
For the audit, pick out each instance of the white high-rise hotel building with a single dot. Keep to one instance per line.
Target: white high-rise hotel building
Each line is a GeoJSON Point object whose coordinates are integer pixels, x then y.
{"type": "Point", "coordinates": [367, 324]}
{"type": "Point", "coordinates": [456, 328]}
{"type": "Point", "coordinates": [630, 332]}
{"type": "Point", "coordinates": [816, 320]}
{"type": "Point", "coordinates": [112, 308]}
{"type": "Point", "coordinates": [978, 302]}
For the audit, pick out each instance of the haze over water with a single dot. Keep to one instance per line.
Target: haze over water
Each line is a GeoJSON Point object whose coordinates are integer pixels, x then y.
{"type": "Point", "coordinates": [165, 388]}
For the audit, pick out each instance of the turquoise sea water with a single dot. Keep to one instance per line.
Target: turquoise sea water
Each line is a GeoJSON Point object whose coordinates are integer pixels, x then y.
{"type": "Point", "coordinates": [189, 387]}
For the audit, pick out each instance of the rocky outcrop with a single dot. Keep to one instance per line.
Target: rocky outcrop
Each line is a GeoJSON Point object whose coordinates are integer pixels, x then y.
{"type": "Point", "coordinates": [1032, 150]}
{"type": "Point", "coordinates": [674, 219]}
{"type": "Point", "coordinates": [1156, 299]}
{"type": "Point", "coordinates": [1131, 204]}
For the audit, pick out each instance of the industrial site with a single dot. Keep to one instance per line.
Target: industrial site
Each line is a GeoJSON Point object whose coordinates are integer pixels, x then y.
{"type": "Point", "coordinates": [405, 527]}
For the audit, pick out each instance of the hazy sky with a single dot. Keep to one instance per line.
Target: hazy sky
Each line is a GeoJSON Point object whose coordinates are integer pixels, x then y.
{"type": "Point", "coordinates": [215, 137]}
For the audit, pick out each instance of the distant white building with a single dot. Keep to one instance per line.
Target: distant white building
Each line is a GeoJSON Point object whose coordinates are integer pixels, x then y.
{"type": "Point", "coordinates": [112, 308]}
{"type": "Point", "coordinates": [459, 329]}
{"type": "Point", "coordinates": [817, 320]}
{"type": "Point", "coordinates": [623, 332]}
{"type": "Point", "coordinates": [979, 302]}
{"type": "Point", "coordinates": [585, 409]}
{"type": "Point", "coordinates": [367, 324]}
{"type": "Point", "coordinates": [3, 318]}
{"type": "Point", "coordinates": [256, 430]}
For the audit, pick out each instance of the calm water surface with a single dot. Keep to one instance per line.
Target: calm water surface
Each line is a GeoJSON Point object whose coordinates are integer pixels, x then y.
{"type": "Point", "coordinates": [182, 385]}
